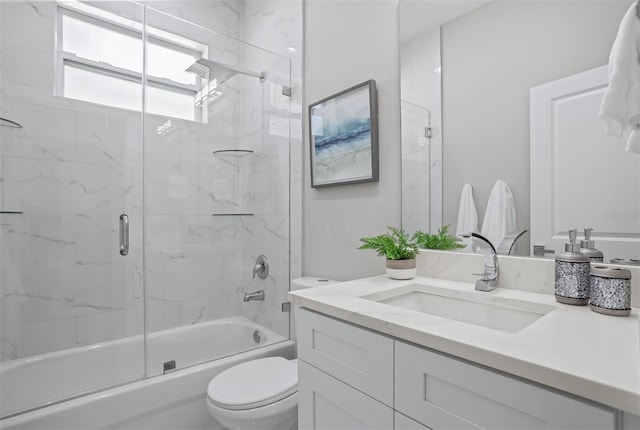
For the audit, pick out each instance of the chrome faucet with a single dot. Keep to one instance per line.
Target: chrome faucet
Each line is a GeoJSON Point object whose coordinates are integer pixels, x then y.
{"type": "Point", "coordinates": [489, 279]}
{"type": "Point", "coordinates": [261, 268]}
{"type": "Point", "coordinates": [257, 295]}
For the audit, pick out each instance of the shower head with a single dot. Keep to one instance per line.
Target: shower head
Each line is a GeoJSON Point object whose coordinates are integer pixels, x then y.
{"type": "Point", "coordinates": [211, 70]}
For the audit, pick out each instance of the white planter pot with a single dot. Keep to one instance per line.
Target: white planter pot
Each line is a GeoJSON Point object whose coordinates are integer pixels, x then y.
{"type": "Point", "coordinates": [401, 269]}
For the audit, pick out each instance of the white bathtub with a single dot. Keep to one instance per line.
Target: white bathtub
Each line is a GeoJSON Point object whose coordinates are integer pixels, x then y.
{"type": "Point", "coordinates": [138, 402]}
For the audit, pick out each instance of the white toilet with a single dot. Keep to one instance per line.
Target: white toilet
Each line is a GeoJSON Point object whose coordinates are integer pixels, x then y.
{"type": "Point", "coordinates": [260, 394]}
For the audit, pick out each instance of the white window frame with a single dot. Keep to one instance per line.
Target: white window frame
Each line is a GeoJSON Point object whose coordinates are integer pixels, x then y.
{"type": "Point", "coordinates": [66, 58]}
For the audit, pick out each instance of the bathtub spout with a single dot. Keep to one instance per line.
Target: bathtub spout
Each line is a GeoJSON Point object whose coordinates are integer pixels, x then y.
{"type": "Point", "coordinates": [257, 295]}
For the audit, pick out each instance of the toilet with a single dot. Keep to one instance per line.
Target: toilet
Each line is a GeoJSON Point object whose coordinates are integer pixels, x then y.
{"type": "Point", "coordinates": [263, 393]}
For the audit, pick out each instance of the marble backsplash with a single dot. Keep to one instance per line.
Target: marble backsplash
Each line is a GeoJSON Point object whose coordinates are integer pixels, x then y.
{"type": "Point", "coordinates": [535, 275]}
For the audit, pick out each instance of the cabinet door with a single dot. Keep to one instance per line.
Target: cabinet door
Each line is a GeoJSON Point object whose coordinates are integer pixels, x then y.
{"type": "Point", "coordinates": [404, 423]}
{"type": "Point", "coordinates": [442, 393]}
{"type": "Point", "coordinates": [358, 357]}
{"type": "Point", "coordinates": [324, 403]}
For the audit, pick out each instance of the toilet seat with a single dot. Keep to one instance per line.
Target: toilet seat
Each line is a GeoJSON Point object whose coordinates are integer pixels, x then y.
{"type": "Point", "coordinates": [254, 384]}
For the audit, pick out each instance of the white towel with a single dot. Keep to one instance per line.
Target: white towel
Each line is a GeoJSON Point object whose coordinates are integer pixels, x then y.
{"type": "Point", "coordinates": [500, 216]}
{"type": "Point", "coordinates": [620, 107]}
{"type": "Point", "coordinates": [467, 218]}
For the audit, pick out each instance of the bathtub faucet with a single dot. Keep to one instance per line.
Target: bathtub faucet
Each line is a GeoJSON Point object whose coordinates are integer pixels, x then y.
{"type": "Point", "coordinates": [257, 295]}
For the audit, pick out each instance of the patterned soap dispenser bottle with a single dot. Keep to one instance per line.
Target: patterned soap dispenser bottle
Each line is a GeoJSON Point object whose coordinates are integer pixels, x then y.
{"type": "Point", "coordinates": [588, 247]}
{"type": "Point", "coordinates": [573, 271]}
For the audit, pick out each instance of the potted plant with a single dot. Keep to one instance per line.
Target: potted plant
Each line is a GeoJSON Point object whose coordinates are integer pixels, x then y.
{"type": "Point", "coordinates": [399, 250]}
{"type": "Point", "coordinates": [442, 240]}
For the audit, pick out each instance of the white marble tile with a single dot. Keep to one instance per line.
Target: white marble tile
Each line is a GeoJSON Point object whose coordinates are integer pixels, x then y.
{"type": "Point", "coordinates": [38, 338]}
{"type": "Point", "coordinates": [101, 138]}
{"type": "Point", "coordinates": [39, 15]}
{"type": "Point", "coordinates": [170, 192]}
{"type": "Point", "coordinates": [22, 71]}
{"type": "Point", "coordinates": [105, 326]}
{"type": "Point", "coordinates": [47, 133]}
{"type": "Point", "coordinates": [63, 187]}
{"type": "Point", "coordinates": [222, 16]}
{"type": "Point", "coordinates": [164, 236]}
{"type": "Point", "coordinates": [69, 291]}
{"type": "Point", "coordinates": [40, 240]}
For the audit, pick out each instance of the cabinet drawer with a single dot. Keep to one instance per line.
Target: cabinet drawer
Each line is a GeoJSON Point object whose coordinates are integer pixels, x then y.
{"type": "Point", "coordinates": [444, 392]}
{"type": "Point", "coordinates": [353, 355]}
{"type": "Point", "coordinates": [324, 403]}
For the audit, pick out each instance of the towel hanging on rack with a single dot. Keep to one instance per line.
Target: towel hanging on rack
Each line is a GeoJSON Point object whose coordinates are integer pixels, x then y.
{"type": "Point", "coordinates": [500, 216]}
{"type": "Point", "coordinates": [467, 218]}
{"type": "Point", "coordinates": [620, 108]}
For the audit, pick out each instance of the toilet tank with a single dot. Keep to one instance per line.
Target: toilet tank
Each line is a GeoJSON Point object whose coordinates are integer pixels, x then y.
{"type": "Point", "coordinates": [301, 284]}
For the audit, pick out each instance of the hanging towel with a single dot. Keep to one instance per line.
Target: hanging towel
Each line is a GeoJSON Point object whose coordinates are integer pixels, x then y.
{"type": "Point", "coordinates": [467, 218]}
{"type": "Point", "coordinates": [620, 107]}
{"type": "Point", "coordinates": [500, 216]}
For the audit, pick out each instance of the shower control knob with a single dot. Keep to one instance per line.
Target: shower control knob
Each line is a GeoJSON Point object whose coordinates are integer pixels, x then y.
{"type": "Point", "coordinates": [261, 268]}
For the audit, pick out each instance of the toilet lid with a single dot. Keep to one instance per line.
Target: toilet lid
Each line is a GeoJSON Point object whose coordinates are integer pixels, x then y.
{"type": "Point", "coordinates": [254, 383]}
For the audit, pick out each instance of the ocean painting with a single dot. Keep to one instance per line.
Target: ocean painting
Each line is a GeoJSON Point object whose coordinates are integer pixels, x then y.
{"type": "Point", "coordinates": [343, 132]}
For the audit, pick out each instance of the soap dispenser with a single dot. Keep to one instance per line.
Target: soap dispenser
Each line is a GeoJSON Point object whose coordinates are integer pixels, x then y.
{"type": "Point", "coordinates": [588, 247]}
{"type": "Point", "coordinates": [573, 271]}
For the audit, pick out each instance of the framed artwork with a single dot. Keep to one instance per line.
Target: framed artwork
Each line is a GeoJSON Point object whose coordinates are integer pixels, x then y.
{"type": "Point", "coordinates": [343, 132]}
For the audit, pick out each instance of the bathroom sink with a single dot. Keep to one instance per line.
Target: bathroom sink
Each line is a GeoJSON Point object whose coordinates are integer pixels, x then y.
{"type": "Point", "coordinates": [472, 307]}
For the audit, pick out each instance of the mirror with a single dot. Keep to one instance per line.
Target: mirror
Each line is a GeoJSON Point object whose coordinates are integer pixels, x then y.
{"type": "Point", "coordinates": [492, 54]}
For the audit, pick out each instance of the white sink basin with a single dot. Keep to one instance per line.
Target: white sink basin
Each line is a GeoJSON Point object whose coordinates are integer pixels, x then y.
{"type": "Point", "coordinates": [472, 307]}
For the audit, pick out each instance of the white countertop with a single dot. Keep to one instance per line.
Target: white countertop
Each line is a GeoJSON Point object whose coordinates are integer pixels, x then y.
{"type": "Point", "coordinates": [571, 348]}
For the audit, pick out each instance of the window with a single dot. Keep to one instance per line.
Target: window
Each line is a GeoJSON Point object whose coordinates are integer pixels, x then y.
{"type": "Point", "coordinates": [101, 61]}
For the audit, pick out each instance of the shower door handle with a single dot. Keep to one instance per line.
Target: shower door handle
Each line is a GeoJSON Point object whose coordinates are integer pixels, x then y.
{"type": "Point", "coordinates": [124, 234]}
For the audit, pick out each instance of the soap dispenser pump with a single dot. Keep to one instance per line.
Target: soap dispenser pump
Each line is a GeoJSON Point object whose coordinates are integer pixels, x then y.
{"type": "Point", "coordinates": [573, 271]}
{"type": "Point", "coordinates": [588, 247]}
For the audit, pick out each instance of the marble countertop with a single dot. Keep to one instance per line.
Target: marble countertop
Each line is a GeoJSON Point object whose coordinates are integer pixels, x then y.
{"type": "Point", "coordinates": [571, 348]}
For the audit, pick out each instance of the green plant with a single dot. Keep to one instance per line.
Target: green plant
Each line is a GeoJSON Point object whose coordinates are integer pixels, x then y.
{"type": "Point", "coordinates": [442, 240]}
{"type": "Point", "coordinates": [395, 245]}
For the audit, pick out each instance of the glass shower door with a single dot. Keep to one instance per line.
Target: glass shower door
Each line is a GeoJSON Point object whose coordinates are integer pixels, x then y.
{"type": "Point", "coordinates": [70, 286]}
{"type": "Point", "coordinates": [216, 156]}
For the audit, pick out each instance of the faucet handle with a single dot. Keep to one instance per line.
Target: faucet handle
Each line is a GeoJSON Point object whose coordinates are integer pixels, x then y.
{"type": "Point", "coordinates": [261, 268]}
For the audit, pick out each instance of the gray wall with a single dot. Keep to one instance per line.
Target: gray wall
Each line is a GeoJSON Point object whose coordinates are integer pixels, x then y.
{"type": "Point", "coordinates": [346, 43]}
{"type": "Point", "coordinates": [490, 59]}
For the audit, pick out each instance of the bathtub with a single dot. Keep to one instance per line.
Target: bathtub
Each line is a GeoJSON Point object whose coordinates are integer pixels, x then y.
{"type": "Point", "coordinates": [199, 351]}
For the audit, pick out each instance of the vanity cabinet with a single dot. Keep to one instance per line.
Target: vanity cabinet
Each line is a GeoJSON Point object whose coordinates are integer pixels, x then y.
{"type": "Point", "coordinates": [345, 375]}
{"type": "Point", "coordinates": [354, 378]}
{"type": "Point", "coordinates": [444, 392]}
{"type": "Point", "coordinates": [358, 357]}
{"type": "Point", "coordinates": [327, 403]}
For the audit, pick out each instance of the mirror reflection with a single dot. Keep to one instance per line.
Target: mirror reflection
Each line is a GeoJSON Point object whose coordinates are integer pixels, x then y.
{"type": "Point", "coordinates": [466, 77]}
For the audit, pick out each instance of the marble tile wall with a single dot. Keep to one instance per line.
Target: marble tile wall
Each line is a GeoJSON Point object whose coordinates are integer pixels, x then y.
{"type": "Point", "coordinates": [75, 167]}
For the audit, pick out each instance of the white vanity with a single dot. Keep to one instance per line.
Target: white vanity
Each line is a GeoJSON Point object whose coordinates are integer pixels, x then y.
{"type": "Point", "coordinates": [377, 354]}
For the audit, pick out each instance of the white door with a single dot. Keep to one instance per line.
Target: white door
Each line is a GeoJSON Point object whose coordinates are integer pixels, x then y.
{"type": "Point", "coordinates": [579, 176]}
